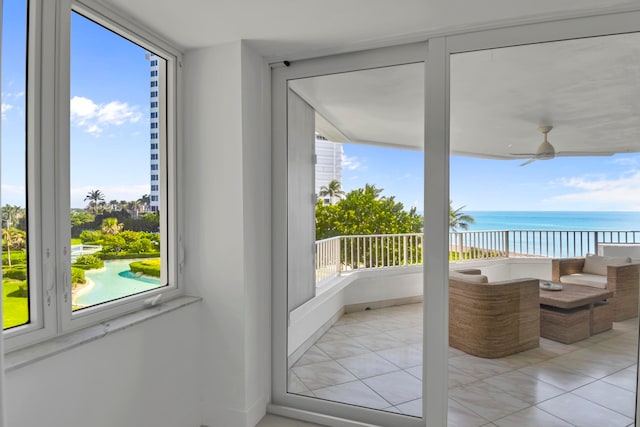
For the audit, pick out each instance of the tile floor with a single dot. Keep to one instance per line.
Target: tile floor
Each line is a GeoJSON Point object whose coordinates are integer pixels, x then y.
{"type": "Point", "coordinates": [374, 359]}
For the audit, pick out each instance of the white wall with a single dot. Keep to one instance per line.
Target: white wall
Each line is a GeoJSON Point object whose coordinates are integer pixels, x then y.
{"type": "Point", "coordinates": [256, 152]}
{"type": "Point", "coordinates": [142, 376]}
{"type": "Point", "coordinates": [226, 193]}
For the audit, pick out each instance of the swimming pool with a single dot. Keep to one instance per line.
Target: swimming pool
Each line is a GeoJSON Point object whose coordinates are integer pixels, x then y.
{"type": "Point", "coordinates": [113, 281]}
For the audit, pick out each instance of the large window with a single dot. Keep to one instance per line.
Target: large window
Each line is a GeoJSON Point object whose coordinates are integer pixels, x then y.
{"type": "Point", "coordinates": [15, 285]}
{"type": "Point", "coordinates": [78, 156]}
{"type": "Point", "coordinates": [116, 240]}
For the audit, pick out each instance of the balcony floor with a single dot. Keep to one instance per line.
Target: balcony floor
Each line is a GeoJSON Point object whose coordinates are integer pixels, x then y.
{"type": "Point", "coordinates": [374, 359]}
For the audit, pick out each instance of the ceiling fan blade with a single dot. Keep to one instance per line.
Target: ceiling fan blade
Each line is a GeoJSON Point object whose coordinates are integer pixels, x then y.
{"type": "Point", "coordinates": [583, 153]}
{"type": "Point", "coordinates": [531, 160]}
{"type": "Point", "coordinates": [526, 155]}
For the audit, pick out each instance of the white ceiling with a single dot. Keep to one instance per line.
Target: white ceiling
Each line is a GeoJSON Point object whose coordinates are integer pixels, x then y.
{"type": "Point", "coordinates": [588, 89]}
{"type": "Point", "coordinates": [382, 106]}
{"type": "Point", "coordinates": [302, 28]}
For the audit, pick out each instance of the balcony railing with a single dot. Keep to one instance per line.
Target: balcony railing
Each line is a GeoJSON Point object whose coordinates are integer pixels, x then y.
{"type": "Point", "coordinates": [378, 251]}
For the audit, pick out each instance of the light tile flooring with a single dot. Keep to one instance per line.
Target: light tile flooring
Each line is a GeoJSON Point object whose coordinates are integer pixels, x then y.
{"type": "Point", "coordinates": [374, 359]}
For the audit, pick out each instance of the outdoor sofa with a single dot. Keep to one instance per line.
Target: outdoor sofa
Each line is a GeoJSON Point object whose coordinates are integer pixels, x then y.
{"type": "Point", "coordinates": [618, 274]}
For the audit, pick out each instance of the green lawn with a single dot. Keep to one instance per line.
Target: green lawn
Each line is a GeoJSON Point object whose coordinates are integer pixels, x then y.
{"type": "Point", "coordinates": [15, 309]}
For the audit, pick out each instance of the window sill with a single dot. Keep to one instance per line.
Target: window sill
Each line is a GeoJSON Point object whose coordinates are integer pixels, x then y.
{"type": "Point", "coordinates": [19, 358]}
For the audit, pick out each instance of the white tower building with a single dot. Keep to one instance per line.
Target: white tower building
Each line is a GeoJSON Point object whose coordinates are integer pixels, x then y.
{"type": "Point", "coordinates": [328, 164]}
{"type": "Point", "coordinates": [154, 193]}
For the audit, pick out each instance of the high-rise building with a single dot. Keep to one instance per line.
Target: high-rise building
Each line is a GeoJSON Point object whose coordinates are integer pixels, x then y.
{"type": "Point", "coordinates": [329, 156]}
{"type": "Point", "coordinates": [154, 192]}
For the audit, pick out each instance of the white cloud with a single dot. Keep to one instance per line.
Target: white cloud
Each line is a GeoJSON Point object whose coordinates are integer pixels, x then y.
{"type": "Point", "coordinates": [5, 108]}
{"type": "Point", "coordinates": [96, 117]}
{"type": "Point", "coordinates": [626, 161]}
{"type": "Point", "coordinates": [351, 163]}
{"type": "Point", "coordinates": [601, 193]}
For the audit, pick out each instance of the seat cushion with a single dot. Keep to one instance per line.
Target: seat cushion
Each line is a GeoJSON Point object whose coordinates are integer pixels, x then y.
{"type": "Point", "coordinates": [470, 278]}
{"type": "Point", "coordinates": [593, 280]}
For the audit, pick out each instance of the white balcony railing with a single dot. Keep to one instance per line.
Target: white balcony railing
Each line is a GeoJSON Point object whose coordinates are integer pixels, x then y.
{"type": "Point", "coordinates": [376, 251]}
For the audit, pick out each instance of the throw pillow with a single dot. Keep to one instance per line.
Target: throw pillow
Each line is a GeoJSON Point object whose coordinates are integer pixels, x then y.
{"type": "Point", "coordinates": [596, 264]}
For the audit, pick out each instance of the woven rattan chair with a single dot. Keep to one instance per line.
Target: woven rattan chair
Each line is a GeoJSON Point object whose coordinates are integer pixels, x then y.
{"type": "Point", "coordinates": [493, 319]}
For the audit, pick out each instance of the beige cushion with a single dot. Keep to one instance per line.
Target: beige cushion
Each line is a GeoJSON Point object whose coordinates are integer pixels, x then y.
{"type": "Point", "coordinates": [593, 280]}
{"type": "Point", "coordinates": [470, 278]}
{"type": "Point", "coordinates": [596, 264]}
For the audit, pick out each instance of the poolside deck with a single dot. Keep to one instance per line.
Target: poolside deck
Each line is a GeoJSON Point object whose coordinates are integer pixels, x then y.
{"type": "Point", "coordinates": [374, 358]}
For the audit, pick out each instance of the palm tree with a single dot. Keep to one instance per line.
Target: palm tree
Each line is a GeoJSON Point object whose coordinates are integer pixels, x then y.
{"type": "Point", "coordinates": [333, 189]}
{"type": "Point", "coordinates": [15, 239]}
{"type": "Point", "coordinates": [371, 189]}
{"type": "Point", "coordinates": [111, 226]}
{"type": "Point", "coordinates": [94, 196]}
{"type": "Point", "coordinates": [459, 219]}
{"type": "Point", "coordinates": [134, 206]}
{"type": "Point", "coordinates": [10, 216]}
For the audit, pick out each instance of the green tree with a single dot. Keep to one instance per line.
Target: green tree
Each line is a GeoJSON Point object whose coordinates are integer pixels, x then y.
{"type": "Point", "coordinates": [365, 212]}
{"type": "Point", "coordinates": [458, 219]}
{"type": "Point", "coordinates": [333, 190]}
{"type": "Point", "coordinates": [94, 197]}
{"type": "Point", "coordinates": [114, 205]}
{"type": "Point", "coordinates": [80, 217]}
{"type": "Point", "coordinates": [11, 216]}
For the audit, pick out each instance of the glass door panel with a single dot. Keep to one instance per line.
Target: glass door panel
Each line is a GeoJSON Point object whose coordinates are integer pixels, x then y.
{"type": "Point", "coordinates": [355, 242]}
{"type": "Point", "coordinates": [543, 175]}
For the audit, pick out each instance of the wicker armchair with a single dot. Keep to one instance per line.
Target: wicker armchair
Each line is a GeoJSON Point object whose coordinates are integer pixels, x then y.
{"type": "Point", "coordinates": [493, 319]}
{"type": "Point", "coordinates": [623, 279]}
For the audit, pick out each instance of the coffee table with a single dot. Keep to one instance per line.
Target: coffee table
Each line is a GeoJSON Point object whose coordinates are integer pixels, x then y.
{"type": "Point", "coordinates": [574, 313]}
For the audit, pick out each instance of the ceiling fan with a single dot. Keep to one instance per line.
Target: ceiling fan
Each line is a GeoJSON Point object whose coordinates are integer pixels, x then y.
{"type": "Point", "coordinates": [546, 151]}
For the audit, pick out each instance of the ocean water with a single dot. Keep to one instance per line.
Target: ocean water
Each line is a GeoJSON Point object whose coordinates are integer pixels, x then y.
{"type": "Point", "coordinates": [554, 220]}
{"type": "Point", "coordinates": [555, 234]}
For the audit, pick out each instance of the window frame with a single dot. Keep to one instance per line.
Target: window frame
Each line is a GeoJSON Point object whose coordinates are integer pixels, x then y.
{"type": "Point", "coordinates": [48, 133]}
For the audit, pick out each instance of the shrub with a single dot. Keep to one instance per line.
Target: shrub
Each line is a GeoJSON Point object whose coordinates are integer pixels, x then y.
{"type": "Point", "coordinates": [17, 272]}
{"type": "Point", "coordinates": [20, 292]}
{"type": "Point", "coordinates": [90, 236]}
{"type": "Point", "coordinates": [141, 246]}
{"type": "Point", "coordinates": [88, 262]}
{"type": "Point", "coordinates": [17, 257]}
{"type": "Point", "coordinates": [77, 276]}
{"type": "Point", "coordinates": [127, 255]}
{"type": "Point", "coordinates": [149, 267]}
{"type": "Point", "coordinates": [113, 244]}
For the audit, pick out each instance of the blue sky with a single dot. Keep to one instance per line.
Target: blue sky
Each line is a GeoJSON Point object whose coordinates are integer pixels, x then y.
{"type": "Point", "coordinates": [109, 103]}
{"type": "Point", "coordinates": [561, 184]}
